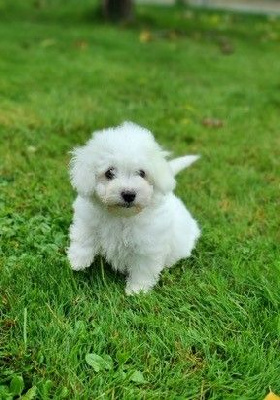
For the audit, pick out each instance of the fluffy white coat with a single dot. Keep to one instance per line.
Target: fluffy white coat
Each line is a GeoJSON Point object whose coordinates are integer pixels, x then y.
{"type": "Point", "coordinates": [126, 209]}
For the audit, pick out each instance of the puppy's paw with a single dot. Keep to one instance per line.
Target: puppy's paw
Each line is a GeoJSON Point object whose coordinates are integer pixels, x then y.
{"type": "Point", "coordinates": [76, 266]}
{"type": "Point", "coordinates": [78, 260]}
{"type": "Point", "coordinates": [137, 287]}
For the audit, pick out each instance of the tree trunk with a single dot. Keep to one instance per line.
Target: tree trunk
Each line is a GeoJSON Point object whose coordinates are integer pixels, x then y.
{"type": "Point", "coordinates": [118, 10]}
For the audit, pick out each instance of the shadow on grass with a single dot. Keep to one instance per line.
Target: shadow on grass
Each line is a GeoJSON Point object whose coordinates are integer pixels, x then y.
{"type": "Point", "coordinates": [99, 275]}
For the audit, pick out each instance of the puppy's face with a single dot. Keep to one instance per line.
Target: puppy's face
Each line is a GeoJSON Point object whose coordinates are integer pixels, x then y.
{"type": "Point", "coordinates": [124, 190]}
{"type": "Point", "coordinates": [123, 169]}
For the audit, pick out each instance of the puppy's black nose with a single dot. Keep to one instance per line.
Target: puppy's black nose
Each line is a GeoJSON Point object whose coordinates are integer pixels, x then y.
{"type": "Point", "coordinates": [128, 196]}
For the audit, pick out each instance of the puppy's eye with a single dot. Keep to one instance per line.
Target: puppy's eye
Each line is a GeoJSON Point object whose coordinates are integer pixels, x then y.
{"type": "Point", "coordinates": [109, 174]}
{"type": "Point", "coordinates": [142, 173]}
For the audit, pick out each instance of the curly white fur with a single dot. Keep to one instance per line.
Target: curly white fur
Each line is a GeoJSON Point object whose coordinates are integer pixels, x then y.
{"type": "Point", "coordinates": [126, 210]}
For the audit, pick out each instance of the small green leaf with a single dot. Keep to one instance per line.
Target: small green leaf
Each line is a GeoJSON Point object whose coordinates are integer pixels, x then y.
{"type": "Point", "coordinates": [30, 394]}
{"type": "Point", "coordinates": [108, 362]}
{"type": "Point", "coordinates": [64, 392]}
{"type": "Point", "coordinates": [16, 385]}
{"type": "Point", "coordinates": [99, 363]}
{"type": "Point", "coordinates": [94, 361]}
{"type": "Point", "coordinates": [122, 357]}
{"type": "Point", "coordinates": [137, 377]}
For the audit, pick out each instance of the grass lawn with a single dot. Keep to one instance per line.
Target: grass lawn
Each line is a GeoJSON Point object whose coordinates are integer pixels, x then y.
{"type": "Point", "coordinates": [211, 327]}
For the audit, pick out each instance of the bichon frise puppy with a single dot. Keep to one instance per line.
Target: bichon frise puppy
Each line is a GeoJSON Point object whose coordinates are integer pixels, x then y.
{"type": "Point", "coordinates": [126, 209]}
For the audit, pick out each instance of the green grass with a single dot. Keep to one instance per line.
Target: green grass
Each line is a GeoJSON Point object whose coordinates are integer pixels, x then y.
{"type": "Point", "coordinates": [211, 327]}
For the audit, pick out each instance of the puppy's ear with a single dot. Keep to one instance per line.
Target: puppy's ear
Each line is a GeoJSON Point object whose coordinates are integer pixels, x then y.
{"type": "Point", "coordinates": [177, 164]}
{"type": "Point", "coordinates": [82, 175]}
{"type": "Point", "coordinates": [162, 174]}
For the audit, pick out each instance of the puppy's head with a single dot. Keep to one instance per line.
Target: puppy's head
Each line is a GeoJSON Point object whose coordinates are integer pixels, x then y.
{"type": "Point", "coordinates": [122, 168]}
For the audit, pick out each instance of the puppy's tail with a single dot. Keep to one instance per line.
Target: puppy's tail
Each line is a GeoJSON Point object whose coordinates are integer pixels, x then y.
{"type": "Point", "coordinates": [180, 163]}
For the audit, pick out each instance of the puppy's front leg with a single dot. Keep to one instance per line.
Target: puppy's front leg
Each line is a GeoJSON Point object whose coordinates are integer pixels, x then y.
{"type": "Point", "coordinates": [143, 275]}
{"type": "Point", "coordinates": [82, 249]}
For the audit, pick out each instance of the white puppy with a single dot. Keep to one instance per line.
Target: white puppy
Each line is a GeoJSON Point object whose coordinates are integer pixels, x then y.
{"type": "Point", "coordinates": [126, 210]}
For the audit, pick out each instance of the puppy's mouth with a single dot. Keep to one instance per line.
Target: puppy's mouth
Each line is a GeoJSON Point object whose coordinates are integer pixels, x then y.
{"type": "Point", "coordinates": [132, 207]}
{"type": "Point", "coordinates": [126, 205]}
